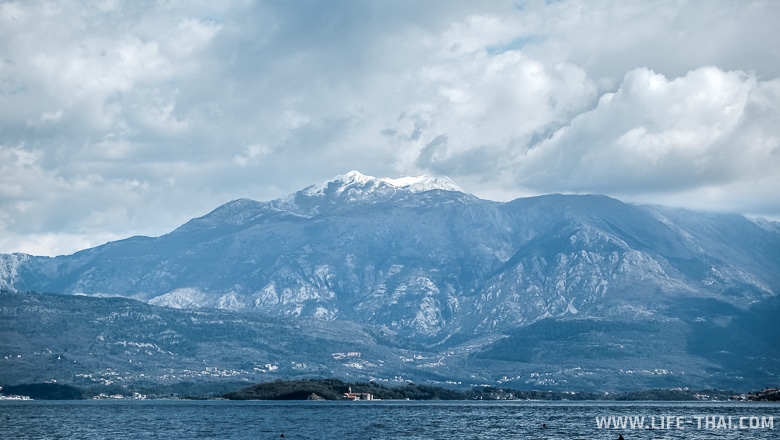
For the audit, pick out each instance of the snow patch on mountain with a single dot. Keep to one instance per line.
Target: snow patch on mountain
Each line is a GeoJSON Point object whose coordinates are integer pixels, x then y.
{"type": "Point", "coordinates": [183, 298]}
{"type": "Point", "coordinates": [9, 269]}
{"type": "Point", "coordinates": [424, 183]}
{"type": "Point", "coordinates": [230, 301]}
{"type": "Point", "coordinates": [355, 179]}
{"type": "Point", "coordinates": [428, 319]}
{"type": "Point", "coordinates": [266, 297]}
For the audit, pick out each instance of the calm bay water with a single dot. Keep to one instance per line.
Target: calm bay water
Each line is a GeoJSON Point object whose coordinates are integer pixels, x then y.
{"type": "Point", "coordinates": [162, 419]}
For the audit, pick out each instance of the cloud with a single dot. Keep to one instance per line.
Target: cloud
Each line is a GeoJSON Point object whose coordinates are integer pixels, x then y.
{"type": "Point", "coordinates": [489, 103]}
{"type": "Point", "coordinates": [608, 39]}
{"type": "Point", "coordinates": [123, 118]}
{"type": "Point", "coordinates": [707, 129]}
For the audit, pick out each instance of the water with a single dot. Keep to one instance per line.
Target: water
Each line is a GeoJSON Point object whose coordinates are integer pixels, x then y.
{"type": "Point", "coordinates": [161, 419]}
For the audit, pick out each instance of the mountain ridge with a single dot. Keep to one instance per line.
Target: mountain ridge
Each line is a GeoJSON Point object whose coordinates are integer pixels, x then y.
{"type": "Point", "coordinates": [539, 226]}
{"type": "Point", "coordinates": [119, 342]}
{"type": "Point", "coordinates": [430, 268]}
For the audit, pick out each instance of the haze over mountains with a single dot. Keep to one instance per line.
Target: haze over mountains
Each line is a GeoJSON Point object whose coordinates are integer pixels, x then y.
{"type": "Point", "coordinates": [557, 290]}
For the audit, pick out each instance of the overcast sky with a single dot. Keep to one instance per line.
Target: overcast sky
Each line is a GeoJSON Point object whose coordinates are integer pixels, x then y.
{"type": "Point", "coordinates": [121, 118]}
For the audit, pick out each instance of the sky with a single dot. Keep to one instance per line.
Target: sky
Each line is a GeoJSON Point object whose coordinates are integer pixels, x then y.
{"type": "Point", "coordinates": [122, 118]}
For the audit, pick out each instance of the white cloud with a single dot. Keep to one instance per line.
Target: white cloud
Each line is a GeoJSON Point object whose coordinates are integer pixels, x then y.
{"type": "Point", "coordinates": [707, 129]}
{"type": "Point", "coordinates": [121, 118]}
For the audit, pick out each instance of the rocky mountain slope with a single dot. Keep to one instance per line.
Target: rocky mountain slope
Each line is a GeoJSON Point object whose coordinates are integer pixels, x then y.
{"type": "Point", "coordinates": [117, 342]}
{"type": "Point", "coordinates": [425, 266]}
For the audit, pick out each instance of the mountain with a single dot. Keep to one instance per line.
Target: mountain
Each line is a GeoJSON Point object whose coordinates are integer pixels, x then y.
{"type": "Point", "coordinates": [421, 265]}
{"type": "Point", "coordinates": [119, 345]}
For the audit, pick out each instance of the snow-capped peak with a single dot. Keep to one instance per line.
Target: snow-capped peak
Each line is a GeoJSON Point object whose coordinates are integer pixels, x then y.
{"type": "Point", "coordinates": [412, 184]}
{"type": "Point", "coordinates": [352, 177]}
{"type": "Point", "coordinates": [424, 183]}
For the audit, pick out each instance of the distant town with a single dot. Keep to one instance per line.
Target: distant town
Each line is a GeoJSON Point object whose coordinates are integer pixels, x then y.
{"type": "Point", "coordinates": [335, 389]}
